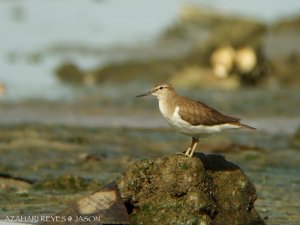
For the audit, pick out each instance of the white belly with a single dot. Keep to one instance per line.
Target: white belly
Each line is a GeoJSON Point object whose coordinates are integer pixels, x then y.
{"type": "Point", "coordinates": [195, 131]}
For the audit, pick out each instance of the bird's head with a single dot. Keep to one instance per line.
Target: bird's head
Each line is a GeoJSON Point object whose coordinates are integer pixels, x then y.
{"type": "Point", "coordinates": [160, 91]}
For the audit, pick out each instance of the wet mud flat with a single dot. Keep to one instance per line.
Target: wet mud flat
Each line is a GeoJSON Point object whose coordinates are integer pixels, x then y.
{"type": "Point", "coordinates": [43, 165]}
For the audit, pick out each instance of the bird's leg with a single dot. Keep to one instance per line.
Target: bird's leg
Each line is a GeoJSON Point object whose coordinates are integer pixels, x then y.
{"type": "Point", "coordinates": [190, 151]}
{"type": "Point", "coordinates": [187, 151]}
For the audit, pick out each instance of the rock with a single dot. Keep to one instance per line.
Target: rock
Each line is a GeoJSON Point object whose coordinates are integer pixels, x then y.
{"type": "Point", "coordinates": [219, 28]}
{"type": "Point", "coordinates": [288, 23]}
{"type": "Point", "coordinates": [175, 189]}
{"type": "Point", "coordinates": [212, 37]}
{"type": "Point", "coordinates": [231, 44]}
{"type": "Point", "coordinates": [243, 62]}
{"type": "Point", "coordinates": [286, 70]}
{"type": "Point", "coordinates": [199, 77]}
{"type": "Point", "coordinates": [226, 44]}
{"type": "Point", "coordinates": [70, 73]}
{"type": "Point", "coordinates": [245, 59]}
{"type": "Point", "coordinates": [222, 60]}
{"type": "Point", "coordinates": [128, 71]}
{"type": "Point", "coordinates": [102, 207]}
{"type": "Point", "coordinates": [150, 70]}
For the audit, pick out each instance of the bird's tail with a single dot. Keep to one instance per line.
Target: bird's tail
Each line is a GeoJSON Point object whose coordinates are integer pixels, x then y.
{"type": "Point", "coordinates": [248, 127]}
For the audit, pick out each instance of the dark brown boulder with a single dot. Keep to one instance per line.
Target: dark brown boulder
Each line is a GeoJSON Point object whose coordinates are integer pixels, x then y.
{"type": "Point", "coordinates": [175, 189]}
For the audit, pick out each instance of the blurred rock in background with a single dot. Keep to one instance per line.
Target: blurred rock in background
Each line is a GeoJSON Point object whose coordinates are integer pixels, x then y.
{"type": "Point", "coordinates": [232, 48]}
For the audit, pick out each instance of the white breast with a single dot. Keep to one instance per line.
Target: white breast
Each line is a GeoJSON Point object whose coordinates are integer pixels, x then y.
{"type": "Point", "coordinates": [200, 130]}
{"type": "Point", "coordinates": [163, 108]}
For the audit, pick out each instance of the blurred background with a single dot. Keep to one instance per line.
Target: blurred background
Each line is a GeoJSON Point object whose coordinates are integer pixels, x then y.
{"type": "Point", "coordinates": [70, 71]}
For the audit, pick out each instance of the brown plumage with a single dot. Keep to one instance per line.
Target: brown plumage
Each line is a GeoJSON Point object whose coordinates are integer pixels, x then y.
{"type": "Point", "coordinates": [199, 113]}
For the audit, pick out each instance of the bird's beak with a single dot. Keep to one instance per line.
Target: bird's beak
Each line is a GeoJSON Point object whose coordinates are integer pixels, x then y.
{"type": "Point", "coordinates": [146, 94]}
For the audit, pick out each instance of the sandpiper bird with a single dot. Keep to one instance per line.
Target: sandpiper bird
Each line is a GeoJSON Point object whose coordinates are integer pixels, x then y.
{"type": "Point", "coordinates": [190, 117]}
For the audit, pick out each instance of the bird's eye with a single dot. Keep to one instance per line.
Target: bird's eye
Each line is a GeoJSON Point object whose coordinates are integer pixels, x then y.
{"type": "Point", "coordinates": [160, 88]}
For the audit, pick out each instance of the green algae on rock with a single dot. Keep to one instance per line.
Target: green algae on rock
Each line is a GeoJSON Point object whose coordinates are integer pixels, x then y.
{"type": "Point", "coordinates": [206, 189]}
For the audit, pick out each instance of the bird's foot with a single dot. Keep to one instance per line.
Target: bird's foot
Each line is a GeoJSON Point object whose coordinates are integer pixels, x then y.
{"type": "Point", "coordinates": [180, 153]}
{"type": "Point", "coordinates": [189, 155]}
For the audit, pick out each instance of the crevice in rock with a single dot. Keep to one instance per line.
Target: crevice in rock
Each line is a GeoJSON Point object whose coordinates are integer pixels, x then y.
{"type": "Point", "coordinates": [130, 207]}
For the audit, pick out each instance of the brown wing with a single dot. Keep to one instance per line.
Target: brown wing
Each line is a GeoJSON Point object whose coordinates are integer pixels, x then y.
{"type": "Point", "coordinates": [198, 113]}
